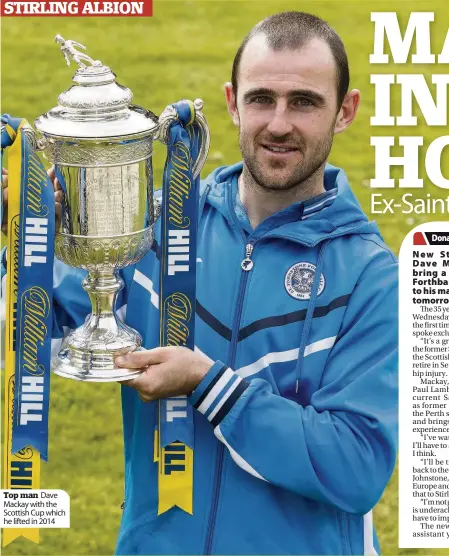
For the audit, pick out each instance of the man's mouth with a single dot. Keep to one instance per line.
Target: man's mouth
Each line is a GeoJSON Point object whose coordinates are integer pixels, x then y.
{"type": "Point", "coordinates": [279, 150]}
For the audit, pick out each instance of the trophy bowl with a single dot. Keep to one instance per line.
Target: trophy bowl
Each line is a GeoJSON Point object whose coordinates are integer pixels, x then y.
{"type": "Point", "coordinates": [101, 147]}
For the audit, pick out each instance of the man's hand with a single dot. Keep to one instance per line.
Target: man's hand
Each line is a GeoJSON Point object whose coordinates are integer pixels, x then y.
{"type": "Point", "coordinates": [168, 371]}
{"type": "Point", "coordinates": [59, 196]}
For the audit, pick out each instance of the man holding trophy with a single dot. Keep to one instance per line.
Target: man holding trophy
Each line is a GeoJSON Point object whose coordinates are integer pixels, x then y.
{"type": "Point", "coordinates": [276, 431]}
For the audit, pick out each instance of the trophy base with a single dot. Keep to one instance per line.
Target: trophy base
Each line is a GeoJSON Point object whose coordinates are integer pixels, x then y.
{"type": "Point", "coordinates": [88, 353]}
{"type": "Point", "coordinates": [62, 366]}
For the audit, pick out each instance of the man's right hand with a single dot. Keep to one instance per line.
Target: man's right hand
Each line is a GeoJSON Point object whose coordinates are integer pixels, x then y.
{"type": "Point", "coordinates": [59, 197]}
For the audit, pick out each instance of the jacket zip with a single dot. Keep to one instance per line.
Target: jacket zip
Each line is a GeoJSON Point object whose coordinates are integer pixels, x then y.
{"type": "Point", "coordinates": [247, 264]}
{"type": "Point", "coordinates": [343, 525]}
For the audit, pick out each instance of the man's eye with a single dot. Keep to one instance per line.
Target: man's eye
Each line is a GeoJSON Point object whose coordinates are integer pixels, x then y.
{"type": "Point", "coordinates": [261, 100]}
{"type": "Point", "coordinates": [301, 102]}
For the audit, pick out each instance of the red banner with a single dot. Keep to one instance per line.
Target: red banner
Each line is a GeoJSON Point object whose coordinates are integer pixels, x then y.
{"type": "Point", "coordinates": [121, 8]}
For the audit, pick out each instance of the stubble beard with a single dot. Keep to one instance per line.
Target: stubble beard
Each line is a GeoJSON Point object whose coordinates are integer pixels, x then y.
{"type": "Point", "coordinates": [301, 174]}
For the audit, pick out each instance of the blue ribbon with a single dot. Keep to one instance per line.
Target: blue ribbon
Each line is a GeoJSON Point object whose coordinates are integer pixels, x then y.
{"type": "Point", "coordinates": [178, 261]}
{"type": "Point", "coordinates": [35, 252]}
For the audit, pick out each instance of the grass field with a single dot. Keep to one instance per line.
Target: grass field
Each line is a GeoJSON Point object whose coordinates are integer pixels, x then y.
{"type": "Point", "coordinates": [184, 51]}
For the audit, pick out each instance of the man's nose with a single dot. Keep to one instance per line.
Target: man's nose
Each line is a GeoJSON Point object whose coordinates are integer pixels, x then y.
{"type": "Point", "coordinates": [280, 123]}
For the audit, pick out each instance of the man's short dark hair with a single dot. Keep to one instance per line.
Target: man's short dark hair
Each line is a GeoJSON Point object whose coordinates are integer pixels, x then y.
{"type": "Point", "coordinates": [292, 31]}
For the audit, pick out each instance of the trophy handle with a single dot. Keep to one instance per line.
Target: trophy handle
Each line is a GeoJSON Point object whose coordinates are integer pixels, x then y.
{"type": "Point", "coordinates": [205, 144]}
{"type": "Point", "coordinates": [169, 115]}
{"type": "Point", "coordinates": [36, 142]}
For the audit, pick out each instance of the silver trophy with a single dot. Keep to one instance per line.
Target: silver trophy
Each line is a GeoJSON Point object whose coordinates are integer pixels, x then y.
{"type": "Point", "coordinates": [101, 147]}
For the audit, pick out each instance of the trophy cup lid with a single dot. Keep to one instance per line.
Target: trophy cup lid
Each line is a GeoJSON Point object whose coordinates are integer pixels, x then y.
{"type": "Point", "coordinates": [96, 106]}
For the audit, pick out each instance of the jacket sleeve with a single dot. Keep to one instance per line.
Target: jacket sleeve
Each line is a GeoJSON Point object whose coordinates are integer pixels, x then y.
{"type": "Point", "coordinates": [341, 448]}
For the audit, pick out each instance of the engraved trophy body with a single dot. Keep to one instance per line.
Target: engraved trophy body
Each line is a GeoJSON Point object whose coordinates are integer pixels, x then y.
{"type": "Point", "coordinates": [101, 147]}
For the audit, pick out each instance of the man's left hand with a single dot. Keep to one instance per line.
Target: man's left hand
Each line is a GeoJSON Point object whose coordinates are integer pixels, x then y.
{"type": "Point", "coordinates": [168, 371]}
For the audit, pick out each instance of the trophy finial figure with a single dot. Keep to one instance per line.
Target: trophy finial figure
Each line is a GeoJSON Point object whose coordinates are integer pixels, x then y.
{"type": "Point", "coordinates": [69, 51]}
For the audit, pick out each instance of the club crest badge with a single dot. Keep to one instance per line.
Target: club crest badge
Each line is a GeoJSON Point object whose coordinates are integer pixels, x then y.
{"type": "Point", "coordinates": [299, 280]}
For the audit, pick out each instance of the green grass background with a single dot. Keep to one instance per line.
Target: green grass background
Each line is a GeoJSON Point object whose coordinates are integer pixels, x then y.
{"type": "Point", "coordinates": [184, 51]}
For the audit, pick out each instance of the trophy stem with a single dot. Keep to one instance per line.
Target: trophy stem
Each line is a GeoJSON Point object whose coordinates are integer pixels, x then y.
{"type": "Point", "coordinates": [88, 352]}
{"type": "Point", "coordinates": [102, 290]}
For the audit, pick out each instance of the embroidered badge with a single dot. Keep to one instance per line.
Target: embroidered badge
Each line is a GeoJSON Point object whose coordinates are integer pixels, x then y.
{"type": "Point", "coordinates": [299, 280]}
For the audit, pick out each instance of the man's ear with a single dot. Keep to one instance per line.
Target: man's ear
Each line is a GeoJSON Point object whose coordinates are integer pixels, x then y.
{"type": "Point", "coordinates": [231, 102]}
{"type": "Point", "coordinates": [348, 111]}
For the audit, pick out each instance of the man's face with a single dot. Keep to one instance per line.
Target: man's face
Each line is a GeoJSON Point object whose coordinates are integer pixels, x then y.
{"type": "Point", "coordinates": [286, 110]}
